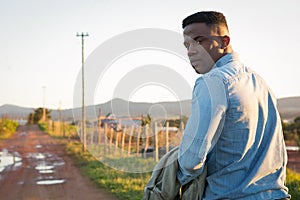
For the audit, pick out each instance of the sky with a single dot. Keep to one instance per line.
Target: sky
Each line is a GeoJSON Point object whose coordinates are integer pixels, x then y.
{"type": "Point", "coordinates": [40, 55]}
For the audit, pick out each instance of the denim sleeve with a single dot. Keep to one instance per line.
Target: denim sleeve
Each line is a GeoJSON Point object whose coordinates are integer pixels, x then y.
{"type": "Point", "coordinates": [209, 104]}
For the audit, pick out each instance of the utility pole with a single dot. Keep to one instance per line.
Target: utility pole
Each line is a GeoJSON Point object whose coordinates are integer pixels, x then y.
{"type": "Point", "coordinates": [60, 118]}
{"type": "Point", "coordinates": [44, 109]}
{"type": "Point", "coordinates": [83, 128]}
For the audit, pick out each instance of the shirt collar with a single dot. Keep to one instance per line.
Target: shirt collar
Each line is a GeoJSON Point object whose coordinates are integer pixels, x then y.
{"type": "Point", "coordinates": [230, 57]}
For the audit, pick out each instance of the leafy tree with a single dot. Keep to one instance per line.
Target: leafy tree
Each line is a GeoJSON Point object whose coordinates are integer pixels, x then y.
{"type": "Point", "coordinates": [297, 124]}
{"type": "Point", "coordinates": [176, 122]}
{"type": "Point", "coordinates": [297, 120]}
{"type": "Point", "coordinates": [37, 115]}
{"type": "Point", "coordinates": [146, 120]}
{"type": "Point", "coordinates": [292, 130]}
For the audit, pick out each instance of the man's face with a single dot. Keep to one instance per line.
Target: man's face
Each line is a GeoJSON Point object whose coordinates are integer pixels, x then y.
{"type": "Point", "coordinates": [203, 45]}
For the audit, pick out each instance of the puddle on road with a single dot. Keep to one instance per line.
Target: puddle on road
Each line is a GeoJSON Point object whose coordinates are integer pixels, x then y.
{"type": "Point", "coordinates": [17, 165]}
{"type": "Point", "coordinates": [44, 166]}
{"type": "Point", "coordinates": [49, 171]}
{"type": "Point", "coordinates": [292, 148]}
{"type": "Point", "coordinates": [50, 181]}
{"type": "Point", "coordinates": [21, 182]}
{"type": "Point", "coordinates": [23, 133]}
{"type": "Point", "coordinates": [61, 163]}
{"type": "Point", "coordinates": [40, 156]}
{"type": "Point", "coordinates": [44, 163]}
{"type": "Point", "coordinates": [9, 160]}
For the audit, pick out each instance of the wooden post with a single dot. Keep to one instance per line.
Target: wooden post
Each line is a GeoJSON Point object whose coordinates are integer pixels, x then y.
{"type": "Point", "coordinates": [119, 125]}
{"type": "Point", "coordinates": [64, 128]}
{"type": "Point", "coordinates": [123, 138]}
{"type": "Point", "coordinates": [181, 127]}
{"type": "Point", "coordinates": [138, 140]}
{"type": "Point", "coordinates": [111, 136]}
{"type": "Point", "coordinates": [49, 124]}
{"type": "Point", "coordinates": [56, 128]}
{"type": "Point", "coordinates": [80, 132]}
{"type": "Point", "coordinates": [117, 139]}
{"type": "Point", "coordinates": [53, 126]}
{"type": "Point", "coordinates": [105, 133]}
{"type": "Point", "coordinates": [99, 129]}
{"type": "Point", "coordinates": [92, 136]}
{"type": "Point", "coordinates": [147, 139]}
{"type": "Point", "coordinates": [130, 138]}
{"type": "Point", "coordinates": [167, 137]}
{"type": "Point", "coordinates": [156, 141]}
{"type": "Point", "coordinates": [105, 137]}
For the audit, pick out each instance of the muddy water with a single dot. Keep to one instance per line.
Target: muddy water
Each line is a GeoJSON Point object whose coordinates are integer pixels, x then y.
{"type": "Point", "coordinates": [50, 181]}
{"type": "Point", "coordinates": [35, 166]}
{"type": "Point", "coordinates": [10, 161]}
{"type": "Point", "coordinates": [45, 163]}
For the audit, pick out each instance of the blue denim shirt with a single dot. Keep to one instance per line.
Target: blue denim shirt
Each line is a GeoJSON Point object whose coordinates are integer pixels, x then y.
{"type": "Point", "coordinates": [235, 129]}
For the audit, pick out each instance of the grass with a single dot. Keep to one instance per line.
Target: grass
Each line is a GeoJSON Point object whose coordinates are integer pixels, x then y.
{"type": "Point", "coordinates": [123, 184]}
{"type": "Point", "coordinates": [293, 183]}
{"type": "Point", "coordinates": [131, 185]}
{"type": "Point", "coordinates": [59, 130]}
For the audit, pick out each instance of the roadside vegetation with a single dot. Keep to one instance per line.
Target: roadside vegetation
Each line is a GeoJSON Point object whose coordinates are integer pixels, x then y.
{"type": "Point", "coordinates": [59, 130]}
{"type": "Point", "coordinates": [7, 128]}
{"type": "Point", "coordinates": [131, 185]}
{"type": "Point", "coordinates": [293, 183]}
{"type": "Point", "coordinates": [124, 185]}
{"type": "Point", "coordinates": [127, 186]}
{"type": "Point", "coordinates": [292, 131]}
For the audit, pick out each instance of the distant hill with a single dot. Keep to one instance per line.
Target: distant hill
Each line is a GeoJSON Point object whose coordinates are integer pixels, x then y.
{"type": "Point", "coordinates": [117, 107]}
{"type": "Point", "coordinates": [120, 107]}
{"type": "Point", "coordinates": [14, 111]}
{"type": "Point", "coordinates": [289, 108]}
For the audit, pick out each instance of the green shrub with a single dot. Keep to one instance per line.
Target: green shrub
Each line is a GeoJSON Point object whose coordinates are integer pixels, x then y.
{"type": "Point", "coordinates": [7, 128]}
{"type": "Point", "coordinates": [293, 183]}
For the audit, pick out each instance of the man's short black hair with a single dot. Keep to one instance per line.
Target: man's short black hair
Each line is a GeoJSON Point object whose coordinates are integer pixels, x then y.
{"type": "Point", "coordinates": [207, 17]}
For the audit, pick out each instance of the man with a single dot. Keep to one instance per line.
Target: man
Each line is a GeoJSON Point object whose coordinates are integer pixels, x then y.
{"type": "Point", "coordinates": [234, 128]}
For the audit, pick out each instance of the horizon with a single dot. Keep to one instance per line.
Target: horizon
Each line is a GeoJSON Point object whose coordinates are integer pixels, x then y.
{"type": "Point", "coordinates": [8, 104]}
{"type": "Point", "coordinates": [40, 55]}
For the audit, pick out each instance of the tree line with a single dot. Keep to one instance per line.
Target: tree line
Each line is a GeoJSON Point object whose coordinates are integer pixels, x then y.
{"type": "Point", "coordinates": [292, 130]}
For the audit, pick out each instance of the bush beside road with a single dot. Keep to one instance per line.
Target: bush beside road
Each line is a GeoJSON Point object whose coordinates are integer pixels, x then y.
{"type": "Point", "coordinates": [7, 128]}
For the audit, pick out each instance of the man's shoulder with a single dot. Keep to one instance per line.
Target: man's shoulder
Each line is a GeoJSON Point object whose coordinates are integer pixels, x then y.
{"type": "Point", "coordinates": [230, 70]}
{"type": "Point", "coordinates": [212, 77]}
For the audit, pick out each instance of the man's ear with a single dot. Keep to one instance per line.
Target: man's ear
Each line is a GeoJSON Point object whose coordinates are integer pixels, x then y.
{"type": "Point", "coordinates": [225, 41]}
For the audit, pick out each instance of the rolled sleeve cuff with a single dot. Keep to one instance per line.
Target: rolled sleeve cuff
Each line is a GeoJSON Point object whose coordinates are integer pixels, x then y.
{"type": "Point", "coordinates": [184, 176]}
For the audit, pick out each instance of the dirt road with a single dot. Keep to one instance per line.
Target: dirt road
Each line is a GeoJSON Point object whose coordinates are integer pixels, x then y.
{"type": "Point", "coordinates": [294, 160]}
{"type": "Point", "coordinates": [34, 166]}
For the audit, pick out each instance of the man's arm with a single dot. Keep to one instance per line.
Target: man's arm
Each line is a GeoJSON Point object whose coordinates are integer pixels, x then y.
{"type": "Point", "coordinates": [204, 126]}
